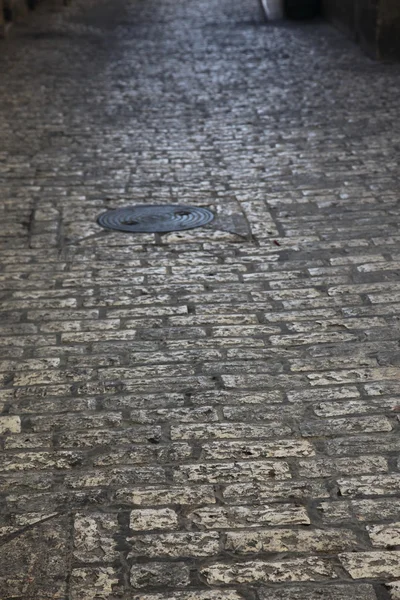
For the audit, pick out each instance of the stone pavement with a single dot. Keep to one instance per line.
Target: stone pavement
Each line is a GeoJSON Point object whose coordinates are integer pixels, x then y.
{"type": "Point", "coordinates": [213, 414]}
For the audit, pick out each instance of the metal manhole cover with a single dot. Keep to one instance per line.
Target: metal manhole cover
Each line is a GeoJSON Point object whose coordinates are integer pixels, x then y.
{"type": "Point", "coordinates": [155, 218]}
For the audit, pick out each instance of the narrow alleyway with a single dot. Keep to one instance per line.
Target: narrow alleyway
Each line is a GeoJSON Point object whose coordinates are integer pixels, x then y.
{"type": "Point", "coordinates": [210, 414]}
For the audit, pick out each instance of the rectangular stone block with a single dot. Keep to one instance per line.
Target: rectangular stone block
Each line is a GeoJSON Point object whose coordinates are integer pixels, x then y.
{"type": "Point", "coordinates": [332, 363]}
{"type": "Point", "coordinates": [351, 407]}
{"type": "Point", "coordinates": [244, 331]}
{"type": "Point", "coordinates": [292, 540]}
{"type": "Point", "coordinates": [195, 595]}
{"type": "Point", "coordinates": [239, 450]}
{"type": "Point", "coordinates": [95, 583]}
{"type": "Point", "coordinates": [218, 517]}
{"type": "Point", "coordinates": [262, 381]}
{"type": "Point", "coordinates": [326, 467]}
{"type": "Point", "coordinates": [159, 496]}
{"type": "Point", "coordinates": [94, 537]}
{"type": "Point", "coordinates": [258, 571]}
{"type": "Point", "coordinates": [366, 485]}
{"type": "Point", "coordinates": [323, 394]}
{"type": "Point", "coordinates": [28, 441]}
{"type": "Point", "coordinates": [312, 338]}
{"type": "Point", "coordinates": [263, 413]}
{"type": "Point", "coordinates": [231, 472]}
{"type": "Point", "coordinates": [10, 424]}
{"type": "Point", "coordinates": [354, 376]}
{"type": "Point", "coordinates": [204, 414]}
{"type": "Point", "coordinates": [384, 536]}
{"type": "Point", "coordinates": [116, 477]}
{"type": "Point", "coordinates": [382, 388]}
{"type": "Point", "coordinates": [370, 510]}
{"type": "Point", "coordinates": [331, 427]}
{"type": "Point", "coordinates": [360, 445]}
{"type": "Point", "coordinates": [316, 592]}
{"type": "Point", "coordinates": [110, 437]}
{"type": "Point", "coordinates": [151, 518]}
{"type": "Point", "coordinates": [228, 430]}
{"type": "Point", "coordinates": [25, 461]}
{"type": "Point", "coordinates": [274, 490]}
{"type": "Point", "coordinates": [75, 421]}
{"type": "Point", "coordinates": [174, 545]}
{"type": "Point", "coordinates": [387, 509]}
{"type": "Point", "coordinates": [363, 565]}
{"type": "Point", "coordinates": [165, 453]}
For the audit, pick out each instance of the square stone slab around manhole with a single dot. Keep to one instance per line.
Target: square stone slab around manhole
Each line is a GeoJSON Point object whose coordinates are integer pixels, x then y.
{"type": "Point", "coordinates": [155, 218]}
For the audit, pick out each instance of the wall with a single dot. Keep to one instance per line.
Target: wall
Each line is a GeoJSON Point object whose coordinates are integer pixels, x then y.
{"type": "Point", "coordinates": [389, 29]}
{"type": "Point", "coordinates": [374, 24]}
{"type": "Point", "coordinates": [341, 13]}
{"type": "Point", "coordinates": [14, 10]}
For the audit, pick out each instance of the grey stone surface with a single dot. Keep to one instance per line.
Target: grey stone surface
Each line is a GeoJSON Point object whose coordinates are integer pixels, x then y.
{"type": "Point", "coordinates": [210, 414]}
{"type": "Point", "coordinates": [316, 592]}
{"type": "Point", "coordinates": [36, 562]}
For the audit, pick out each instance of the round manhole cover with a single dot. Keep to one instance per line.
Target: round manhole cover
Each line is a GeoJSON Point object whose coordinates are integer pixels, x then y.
{"type": "Point", "coordinates": [160, 218]}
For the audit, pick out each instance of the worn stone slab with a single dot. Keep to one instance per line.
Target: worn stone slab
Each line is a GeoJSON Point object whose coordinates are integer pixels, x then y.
{"type": "Point", "coordinates": [35, 563]}
{"type": "Point", "coordinates": [213, 517]}
{"type": "Point", "coordinates": [361, 565]}
{"type": "Point", "coordinates": [315, 592]}
{"type": "Point", "coordinates": [174, 545]}
{"type": "Point", "coordinates": [289, 540]}
{"type": "Point", "coordinates": [175, 575]}
{"type": "Point", "coordinates": [295, 569]}
{"type": "Point", "coordinates": [97, 583]}
{"type": "Point", "coordinates": [394, 590]}
{"type": "Point", "coordinates": [211, 414]}
{"type": "Point", "coordinates": [95, 537]}
{"type": "Point", "coordinates": [193, 595]}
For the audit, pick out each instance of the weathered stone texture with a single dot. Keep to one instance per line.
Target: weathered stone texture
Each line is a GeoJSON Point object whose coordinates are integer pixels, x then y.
{"type": "Point", "coordinates": [35, 563]}
{"type": "Point", "coordinates": [210, 414]}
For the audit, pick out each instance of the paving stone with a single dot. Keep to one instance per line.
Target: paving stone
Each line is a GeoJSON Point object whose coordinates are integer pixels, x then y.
{"type": "Point", "coordinates": [193, 595]}
{"type": "Point", "coordinates": [384, 536]}
{"type": "Point", "coordinates": [289, 540]}
{"type": "Point", "coordinates": [357, 445]}
{"type": "Point", "coordinates": [394, 590]}
{"type": "Point", "coordinates": [148, 519]}
{"type": "Point", "coordinates": [226, 472]}
{"type": "Point", "coordinates": [177, 495]}
{"type": "Point", "coordinates": [94, 583]}
{"type": "Point", "coordinates": [370, 485]}
{"type": "Point", "coordinates": [376, 509]}
{"type": "Point", "coordinates": [227, 430]}
{"type": "Point", "coordinates": [210, 414]}
{"type": "Point", "coordinates": [35, 562]}
{"type": "Point", "coordinates": [94, 538]}
{"type": "Point", "coordinates": [40, 460]}
{"type": "Point", "coordinates": [331, 592]}
{"type": "Point", "coordinates": [349, 466]}
{"type": "Point", "coordinates": [296, 569]}
{"type": "Point", "coordinates": [241, 450]}
{"type": "Point", "coordinates": [115, 477]}
{"type": "Point", "coordinates": [174, 575]}
{"type": "Point", "coordinates": [361, 565]}
{"type": "Point", "coordinates": [10, 425]}
{"type": "Point", "coordinates": [174, 545]}
{"type": "Point", "coordinates": [331, 427]}
{"type": "Point", "coordinates": [237, 517]}
{"type": "Point", "coordinates": [274, 490]}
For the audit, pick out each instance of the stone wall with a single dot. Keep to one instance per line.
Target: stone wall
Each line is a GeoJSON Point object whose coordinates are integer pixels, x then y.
{"type": "Point", "coordinates": [374, 24]}
{"type": "Point", "coordinates": [389, 29]}
{"type": "Point", "coordinates": [12, 11]}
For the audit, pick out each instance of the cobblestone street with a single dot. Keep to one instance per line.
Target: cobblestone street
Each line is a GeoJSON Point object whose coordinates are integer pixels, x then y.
{"type": "Point", "coordinates": [210, 414]}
